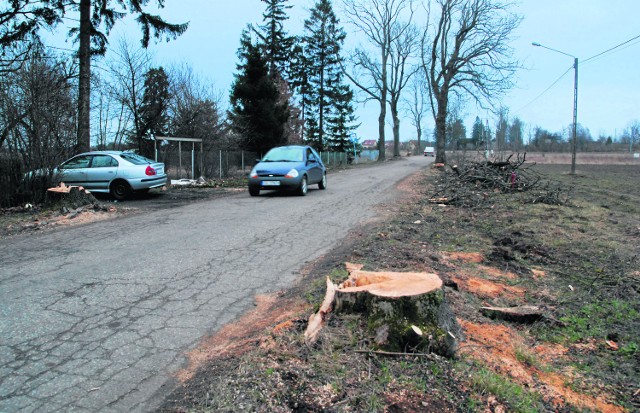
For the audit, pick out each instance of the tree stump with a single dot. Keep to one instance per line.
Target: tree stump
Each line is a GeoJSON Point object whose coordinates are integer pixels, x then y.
{"type": "Point", "coordinates": [69, 196]}
{"type": "Point", "coordinates": [406, 312]}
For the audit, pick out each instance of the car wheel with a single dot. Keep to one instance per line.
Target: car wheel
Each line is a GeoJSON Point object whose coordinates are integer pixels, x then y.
{"type": "Point", "coordinates": [304, 187]}
{"type": "Point", "coordinates": [254, 191]}
{"type": "Point", "coordinates": [120, 190]}
{"type": "Point", "coordinates": [323, 183]}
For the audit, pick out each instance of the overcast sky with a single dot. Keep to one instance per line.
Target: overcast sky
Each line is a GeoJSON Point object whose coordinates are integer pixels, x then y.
{"type": "Point", "coordinates": [609, 86]}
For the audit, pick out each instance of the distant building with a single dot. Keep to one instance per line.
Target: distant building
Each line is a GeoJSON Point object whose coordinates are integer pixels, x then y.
{"type": "Point", "coordinates": [370, 144]}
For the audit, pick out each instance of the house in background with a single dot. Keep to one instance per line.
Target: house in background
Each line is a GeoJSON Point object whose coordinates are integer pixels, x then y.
{"type": "Point", "coordinates": [370, 144]}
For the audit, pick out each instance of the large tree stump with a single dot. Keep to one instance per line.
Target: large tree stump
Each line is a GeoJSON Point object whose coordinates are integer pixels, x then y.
{"type": "Point", "coordinates": [69, 196]}
{"type": "Point", "coordinates": [406, 312]}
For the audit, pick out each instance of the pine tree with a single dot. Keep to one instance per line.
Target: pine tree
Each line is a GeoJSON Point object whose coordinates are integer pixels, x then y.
{"type": "Point", "coordinates": [477, 133]}
{"type": "Point", "coordinates": [277, 44]}
{"type": "Point", "coordinates": [257, 113]}
{"type": "Point", "coordinates": [326, 98]}
{"type": "Point", "coordinates": [342, 120]}
{"type": "Point", "coordinates": [155, 104]}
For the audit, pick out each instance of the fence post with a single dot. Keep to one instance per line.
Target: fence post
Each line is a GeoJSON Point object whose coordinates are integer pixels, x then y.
{"type": "Point", "coordinates": [193, 160]}
{"type": "Point", "coordinates": [220, 164]}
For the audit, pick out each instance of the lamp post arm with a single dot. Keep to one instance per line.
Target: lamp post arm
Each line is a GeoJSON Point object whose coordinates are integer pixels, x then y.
{"type": "Point", "coordinates": [554, 50]}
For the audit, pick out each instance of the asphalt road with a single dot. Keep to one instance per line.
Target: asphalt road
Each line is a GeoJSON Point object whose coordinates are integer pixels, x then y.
{"type": "Point", "coordinates": [97, 318]}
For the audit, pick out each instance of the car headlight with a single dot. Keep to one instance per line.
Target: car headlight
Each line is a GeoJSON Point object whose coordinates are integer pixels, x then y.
{"type": "Point", "coordinates": [292, 174]}
{"type": "Point", "coordinates": [253, 173]}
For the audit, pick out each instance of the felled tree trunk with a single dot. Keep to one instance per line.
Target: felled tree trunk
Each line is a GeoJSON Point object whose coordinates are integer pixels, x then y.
{"type": "Point", "coordinates": [406, 312]}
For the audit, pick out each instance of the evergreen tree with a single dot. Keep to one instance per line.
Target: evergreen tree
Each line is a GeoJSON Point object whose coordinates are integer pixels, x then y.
{"type": "Point", "coordinates": [277, 44]}
{"type": "Point", "coordinates": [341, 122]}
{"type": "Point", "coordinates": [477, 132]}
{"type": "Point", "coordinates": [327, 100]}
{"type": "Point", "coordinates": [456, 134]}
{"type": "Point", "coordinates": [257, 113]}
{"type": "Point", "coordinates": [155, 104]}
{"type": "Point", "coordinates": [515, 134]}
{"type": "Point", "coordinates": [502, 129]}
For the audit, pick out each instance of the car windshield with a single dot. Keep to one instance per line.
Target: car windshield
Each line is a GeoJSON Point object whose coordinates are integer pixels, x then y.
{"type": "Point", "coordinates": [284, 154]}
{"type": "Point", "coordinates": [135, 158]}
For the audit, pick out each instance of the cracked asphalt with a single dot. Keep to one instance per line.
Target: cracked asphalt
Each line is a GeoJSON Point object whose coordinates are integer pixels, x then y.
{"type": "Point", "coordinates": [98, 318]}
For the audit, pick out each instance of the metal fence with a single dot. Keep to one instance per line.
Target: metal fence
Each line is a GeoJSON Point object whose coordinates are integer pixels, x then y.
{"type": "Point", "coordinates": [223, 164]}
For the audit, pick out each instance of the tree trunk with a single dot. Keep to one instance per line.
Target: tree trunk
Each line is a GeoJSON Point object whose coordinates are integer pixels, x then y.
{"type": "Point", "coordinates": [381, 140]}
{"type": "Point", "coordinates": [396, 128]}
{"type": "Point", "coordinates": [441, 130]}
{"type": "Point", "coordinates": [84, 91]}
{"type": "Point", "coordinates": [383, 107]}
{"type": "Point", "coordinates": [405, 311]}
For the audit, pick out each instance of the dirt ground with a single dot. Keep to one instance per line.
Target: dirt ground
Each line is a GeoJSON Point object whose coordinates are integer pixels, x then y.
{"type": "Point", "coordinates": [577, 262]}
{"type": "Point", "coordinates": [26, 219]}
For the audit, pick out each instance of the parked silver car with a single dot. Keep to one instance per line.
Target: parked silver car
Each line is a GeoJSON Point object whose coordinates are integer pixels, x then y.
{"type": "Point", "coordinates": [115, 172]}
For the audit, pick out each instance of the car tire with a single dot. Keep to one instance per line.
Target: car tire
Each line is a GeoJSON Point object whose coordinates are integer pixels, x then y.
{"type": "Point", "coordinates": [304, 186]}
{"type": "Point", "coordinates": [323, 183]}
{"type": "Point", "coordinates": [120, 190]}
{"type": "Point", "coordinates": [254, 191]}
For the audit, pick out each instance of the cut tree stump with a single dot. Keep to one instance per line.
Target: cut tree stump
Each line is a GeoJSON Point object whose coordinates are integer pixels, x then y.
{"type": "Point", "coordinates": [69, 196]}
{"type": "Point", "coordinates": [405, 311]}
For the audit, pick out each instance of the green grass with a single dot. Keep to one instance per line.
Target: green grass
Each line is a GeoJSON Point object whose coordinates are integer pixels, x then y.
{"type": "Point", "coordinates": [596, 320]}
{"type": "Point", "coordinates": [516, 397]}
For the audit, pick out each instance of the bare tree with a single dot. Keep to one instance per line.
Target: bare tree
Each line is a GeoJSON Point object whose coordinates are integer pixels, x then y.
{"type": "Point", "coordinates": [127, 73]}
{"type": "Point", "coordinates": [378, 21]}
{"type": "Point", "coordinates": [195, 112]}
{"type": "Point", "coordinates": [416, 103]}
{"type": "Point", "coordinates": [403, 48]}
{"type": "Point", "coordinates": [632, 134]}
{"type": "Point", "coordinates": [112, 120]}
{"type": "Point", "coordinates": [468, 53]}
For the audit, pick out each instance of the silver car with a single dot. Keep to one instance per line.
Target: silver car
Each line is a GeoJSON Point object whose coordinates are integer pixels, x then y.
{"type": "Point", "coordinates": [115, 172]}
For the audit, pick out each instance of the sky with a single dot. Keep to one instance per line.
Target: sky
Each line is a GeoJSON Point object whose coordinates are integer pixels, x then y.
{"type": "Point", "coordinates": [608, 86]}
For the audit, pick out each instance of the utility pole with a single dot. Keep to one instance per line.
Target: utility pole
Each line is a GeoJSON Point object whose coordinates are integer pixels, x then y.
{"type": "Point", "coordinates": [575, 117]}
{"type": "Point", "coordinates": [575, 105]}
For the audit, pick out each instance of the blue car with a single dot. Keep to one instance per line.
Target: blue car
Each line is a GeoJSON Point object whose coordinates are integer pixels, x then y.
{"type": "Point", "coordinates": [288, 168]}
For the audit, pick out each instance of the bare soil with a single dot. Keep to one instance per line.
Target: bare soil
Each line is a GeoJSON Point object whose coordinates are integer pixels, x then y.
{"type": "Point", "coordinates": [27, 219]}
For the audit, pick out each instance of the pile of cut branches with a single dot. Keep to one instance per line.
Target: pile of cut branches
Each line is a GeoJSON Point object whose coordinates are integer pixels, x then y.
{"type": "Point", "coordinates": [475, 183]}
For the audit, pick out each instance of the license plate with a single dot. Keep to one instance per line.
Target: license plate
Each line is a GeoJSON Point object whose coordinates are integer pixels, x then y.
{"type": "Point", "coordinates": [270, 183]}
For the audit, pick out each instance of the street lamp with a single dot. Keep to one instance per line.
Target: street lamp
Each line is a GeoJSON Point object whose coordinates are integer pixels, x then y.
{"type": "Point", "coordinates": [575, 105]}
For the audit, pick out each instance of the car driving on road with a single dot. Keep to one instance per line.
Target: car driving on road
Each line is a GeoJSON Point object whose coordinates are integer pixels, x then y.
{"type": "Point", "coordinates": [115, 172]}
{"type": "Point", "coordinates": [289, 168]}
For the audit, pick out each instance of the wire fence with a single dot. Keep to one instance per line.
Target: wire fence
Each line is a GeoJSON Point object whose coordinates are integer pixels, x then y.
{"type": "Point", "coordinates": [224, 164]}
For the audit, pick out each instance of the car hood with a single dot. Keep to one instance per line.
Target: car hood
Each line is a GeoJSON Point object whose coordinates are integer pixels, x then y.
{"type": "Point", "coordinates": [277, 168]}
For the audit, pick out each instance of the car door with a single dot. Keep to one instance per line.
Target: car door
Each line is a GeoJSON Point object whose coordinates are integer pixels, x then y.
{"type": "Point", "coordinates": [74, 171]}
{"type": "Point", "coordinates": [101, 172]}
{"type": "Point", "coordinates": [314, 166]}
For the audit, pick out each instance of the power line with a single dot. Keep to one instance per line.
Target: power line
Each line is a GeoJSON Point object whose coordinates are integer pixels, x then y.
{"type": "Point", "coordinates": [547, 89]}
{"type": "Point", "coordinates": [611, 49]}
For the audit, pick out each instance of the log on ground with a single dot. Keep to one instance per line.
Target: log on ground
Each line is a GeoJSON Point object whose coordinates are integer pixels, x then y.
{"type": "Point", "coordinates": [523, 314]}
